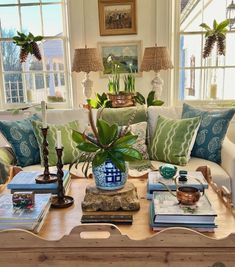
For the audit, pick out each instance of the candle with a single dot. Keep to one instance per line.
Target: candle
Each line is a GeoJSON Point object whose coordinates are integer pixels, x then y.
{"type": "Point", "coordinates": [44, 115]}
{"type": "Point", "coordinates": [213, 91]}
{"type": "Point", "coordinates": [58, 139]}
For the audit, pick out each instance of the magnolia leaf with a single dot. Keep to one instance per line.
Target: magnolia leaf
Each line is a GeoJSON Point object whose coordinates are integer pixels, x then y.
{"type": "Point", "coordinates": [125, 140]}
{"type": "Point", "coordinates": [118, 161]}
{"type": "Point", "coordinates": [77, 137]}
{"type": "Point", "coordinates": [129, 153]}
{"type": "Point", "coordinates": [215, 25]}
{"type": "Point", "coordinates": [107, 134]}
{"type": "Point", "coordinates": [87, 147]}
{"type": "Point", "coordinates": [100, 158]}
{"type": "Point", "coordinates": [37, 38]}
{"type": "Point", "coordinates": [157, 102]}
{"type": "Point", "coordinates": [222, 25]}
{"type": "Point", "coordinates": [150, 98]}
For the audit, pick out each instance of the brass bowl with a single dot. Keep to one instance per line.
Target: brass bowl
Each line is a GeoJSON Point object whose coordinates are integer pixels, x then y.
{"type": "Point", "coordinates": [188, 195]}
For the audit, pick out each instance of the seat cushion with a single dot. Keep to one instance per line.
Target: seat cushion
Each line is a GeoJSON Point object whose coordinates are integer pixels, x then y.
{"type": "Point", "coordinates": [219, 175]}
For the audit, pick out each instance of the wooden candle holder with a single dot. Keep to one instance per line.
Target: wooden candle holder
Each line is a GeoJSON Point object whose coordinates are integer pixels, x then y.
{"type": "Point", "coordinates": [61, 201]}
{"type": "Point", "coordinates": [46, 177]}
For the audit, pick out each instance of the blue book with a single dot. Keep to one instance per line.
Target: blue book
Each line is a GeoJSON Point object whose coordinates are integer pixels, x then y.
{"type": "Point", "coordinates": [17, 216]}
{"type": "Point", "coordinates": [25, 181]}
{"type": "Point", "coordinates": [155, 177]}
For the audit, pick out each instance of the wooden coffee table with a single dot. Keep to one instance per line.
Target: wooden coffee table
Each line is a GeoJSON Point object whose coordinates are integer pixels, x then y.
{"type": "Point", "coordinates": [63, 241]}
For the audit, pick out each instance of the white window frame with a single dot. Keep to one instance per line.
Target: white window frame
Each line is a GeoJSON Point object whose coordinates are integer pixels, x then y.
{"type": "Point", "coordinates": [177, 68]}
{"type": "Point", "coordinates": [67, 64]}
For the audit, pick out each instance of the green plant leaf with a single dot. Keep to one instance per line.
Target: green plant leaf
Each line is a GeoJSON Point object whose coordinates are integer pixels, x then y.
{"type": "Point", "coordinates": [150, 98]}
{"type": "Point", "coordinates": [215, 25]}
{"type": "Point", "coordinates": [128, 139]}
{"type": "Point", "coordinates": [118, 160]}
{"type": "Point", "coordinates": [139, 98]}
{"type": "Point", "coordinates": [37, 38]}
{"type": "Point", "coordinates": [100, 158]}
{"type": "Point", "coordinates": [107, 134]}
{"type": "Point", "coordinates": [157, 102]}
{"type": "Point", "coordinates": [129, 153]}
{"type": "Point", "coordinates": [222, 25]}
{"type": "Point", "coordinates": [77, 137]}
{"type": "Point", "coordinates": [205, 26]}
{"type": "Point", "coordinates": [87, 147]}
{"type": "Point", "coordinates": [92, 102]}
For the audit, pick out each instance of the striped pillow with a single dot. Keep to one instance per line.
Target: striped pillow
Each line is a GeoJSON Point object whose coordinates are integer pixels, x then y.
{"type": "Point", "coordinates": [172, 139]}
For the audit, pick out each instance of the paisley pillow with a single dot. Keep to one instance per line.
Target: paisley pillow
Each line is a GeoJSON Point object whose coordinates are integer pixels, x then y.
{"type": "Point", "coordinates": [211, 133]}
{"type": "Point", "coordinates": [22, 139]}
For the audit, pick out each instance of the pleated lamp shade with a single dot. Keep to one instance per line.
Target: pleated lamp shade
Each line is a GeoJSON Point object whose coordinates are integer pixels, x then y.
{"type": "Point", "coordinates": [156, 58]}
{"type": "Point", "coordinates": [87, 59]}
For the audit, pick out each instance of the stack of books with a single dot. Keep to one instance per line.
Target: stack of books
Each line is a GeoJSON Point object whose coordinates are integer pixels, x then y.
{"type": "Point", "coordinates": [155, 177]}
{"type": "Point", "coordinates": [25, 181]}
{"type": "Point", "coordinates": [28, 219]}
{"type": "Point", "coordinates": [165, 211]}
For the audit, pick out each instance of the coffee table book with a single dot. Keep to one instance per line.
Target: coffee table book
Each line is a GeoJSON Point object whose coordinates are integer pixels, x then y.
{"type": "Point", "coordinates": [28, 219]}
{"type": "Point", "coordinates": [154, 177]}
{"type": "Point", "coordinates": [25, 181]}
{"type": "Point", "coordinates": [166, 209]}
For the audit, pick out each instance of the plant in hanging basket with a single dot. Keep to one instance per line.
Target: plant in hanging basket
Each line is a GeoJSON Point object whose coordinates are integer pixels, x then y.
{"type": "Point", "coordinates": [215, 35]}
{"type": "Point", "coordinates": [28, 44]}
{"type": "Point", "coordinates": [106, 146]}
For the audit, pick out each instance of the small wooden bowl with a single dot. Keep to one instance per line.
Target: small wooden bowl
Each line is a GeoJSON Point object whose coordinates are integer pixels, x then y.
{"type": "Point", "coordinates": [188, 195]}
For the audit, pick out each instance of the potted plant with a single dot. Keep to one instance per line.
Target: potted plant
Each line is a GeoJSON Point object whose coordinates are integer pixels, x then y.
{"type": "Point", "coordinates": [215, 35]}
{"type": "Point", "coordinates": [108, 149]}
{"type": "Point", "coordinates": [150, 101]}
{"type": "Point", "coordinates": [28, 44]}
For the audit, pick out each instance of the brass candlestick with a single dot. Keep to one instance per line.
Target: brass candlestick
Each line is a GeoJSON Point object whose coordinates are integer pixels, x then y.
{"type": "Point", "coordinates": [46, 177]}
{"type": "Point", "coordinates": [61, 201]}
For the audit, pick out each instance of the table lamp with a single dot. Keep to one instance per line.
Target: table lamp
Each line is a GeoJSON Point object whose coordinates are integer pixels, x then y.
{"type": "Point", "coordinates": [156, 58]}
{"type": "Point", "coordinates": [86, 60]}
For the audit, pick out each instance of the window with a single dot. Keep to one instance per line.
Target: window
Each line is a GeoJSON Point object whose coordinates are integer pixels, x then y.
{"type": "Point", "coordinates": [34, 80]}
{"type": "Point", "coordinates": [212, 78]}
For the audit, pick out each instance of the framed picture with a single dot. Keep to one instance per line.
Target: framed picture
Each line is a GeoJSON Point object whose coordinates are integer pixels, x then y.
{"type": "Point", "coordinates": [126, 56]}
{"type": "Point", "coordinates": [117, 17]}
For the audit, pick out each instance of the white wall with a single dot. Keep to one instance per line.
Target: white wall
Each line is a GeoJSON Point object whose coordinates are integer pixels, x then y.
{"type": "Point", "coordinates": [153, 25]}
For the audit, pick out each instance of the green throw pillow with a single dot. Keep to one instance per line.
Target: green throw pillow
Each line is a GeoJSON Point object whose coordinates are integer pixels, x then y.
{"type": "Point", "coordinates": [70, 152]}
{"type": "Point", "coordinates": [172, 139]}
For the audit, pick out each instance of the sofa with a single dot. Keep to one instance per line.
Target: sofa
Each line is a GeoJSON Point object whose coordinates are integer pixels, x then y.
{"type": "Point", "coordinates": [222, 174]}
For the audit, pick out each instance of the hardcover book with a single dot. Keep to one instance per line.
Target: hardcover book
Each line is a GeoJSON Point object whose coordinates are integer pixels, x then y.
{"type": "Point", "coordinates": [168, 210]}
{"type": "Point", "coordinates": [155, 177]}
{"type": "Point", "coordinates": [23, 218]}
{"type": "Point", "coordinates": [24, 181]}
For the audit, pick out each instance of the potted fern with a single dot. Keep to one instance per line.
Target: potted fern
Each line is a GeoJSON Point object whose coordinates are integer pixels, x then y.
{"type": "Point", "coordinates": [108, 149]}
{"type": "Point", "coordinates": [28, 44]}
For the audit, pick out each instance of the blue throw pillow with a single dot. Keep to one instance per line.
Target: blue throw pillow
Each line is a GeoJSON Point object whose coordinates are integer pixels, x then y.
{"type": "Point", "coordinates": [211, 132]}
{"type": "Point", "coordinates": [22, 139]}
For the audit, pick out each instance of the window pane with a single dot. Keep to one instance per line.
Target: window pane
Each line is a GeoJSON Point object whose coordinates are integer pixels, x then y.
{"type": "Point", "coordinates": [31, 20]}
{"type": "Point", "coordinates": [9, 19]}
{"type": "Point", "coordinates": [54, 55]}
{"type": "Point", "coordinates": [213, 80]}
{"type": "Point", "coordinates": [2, 2]}
{"type": "Point", "coordinates": [10, 55]}
{"type": "Point", "coordinates": [29, 1]}
{"type": "Point", "coordinates": [14, 88]}
{"type": "Point", "coordinates": [55, 88]}
{"type": "Point", "coordinates": [52, 20]}
{"type": "Point", "coordinates": [230, 51]}
{"type": "Point", "coordinates": [191, 15]}
{"type": "Point", "coordinates": [229, 91]}
{"type": "Point", "coordinates": [189, 84]}
{"type": "Point", "coordinates": [190, 50]}
{"type": "Point", "coordinates": [216, 9]}
{"type": "Point", "coordinates": [49, 1]}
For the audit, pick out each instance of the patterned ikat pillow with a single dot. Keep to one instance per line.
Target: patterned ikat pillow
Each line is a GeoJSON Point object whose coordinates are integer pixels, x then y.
{"type": "Point", "coordinates": [211, 133]}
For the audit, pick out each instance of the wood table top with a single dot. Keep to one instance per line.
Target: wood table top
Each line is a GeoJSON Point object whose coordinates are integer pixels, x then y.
{"type": "Point", "coordinates": [60, 222]}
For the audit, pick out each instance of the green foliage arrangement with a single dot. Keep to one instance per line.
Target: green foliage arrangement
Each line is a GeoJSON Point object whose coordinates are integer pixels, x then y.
{"type": "Point", "coordinates": [129, 83]}
{"type": "Point", "coordinates": [28, 44]}
{"type": "Point", "coordinates": [150, 101]}
{"type": "Point", "coordinates": [101, 101]}
{"type": "Point", "coordinates": [106, 142]}
{"type": "Point", "coordinates": [216, 34]}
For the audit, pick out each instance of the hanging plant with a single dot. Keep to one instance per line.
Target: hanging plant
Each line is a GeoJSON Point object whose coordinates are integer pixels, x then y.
{"type": "Point", "coordinates": [215, 35]}
{"type": "Point", "coordinates": [28, 44]}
